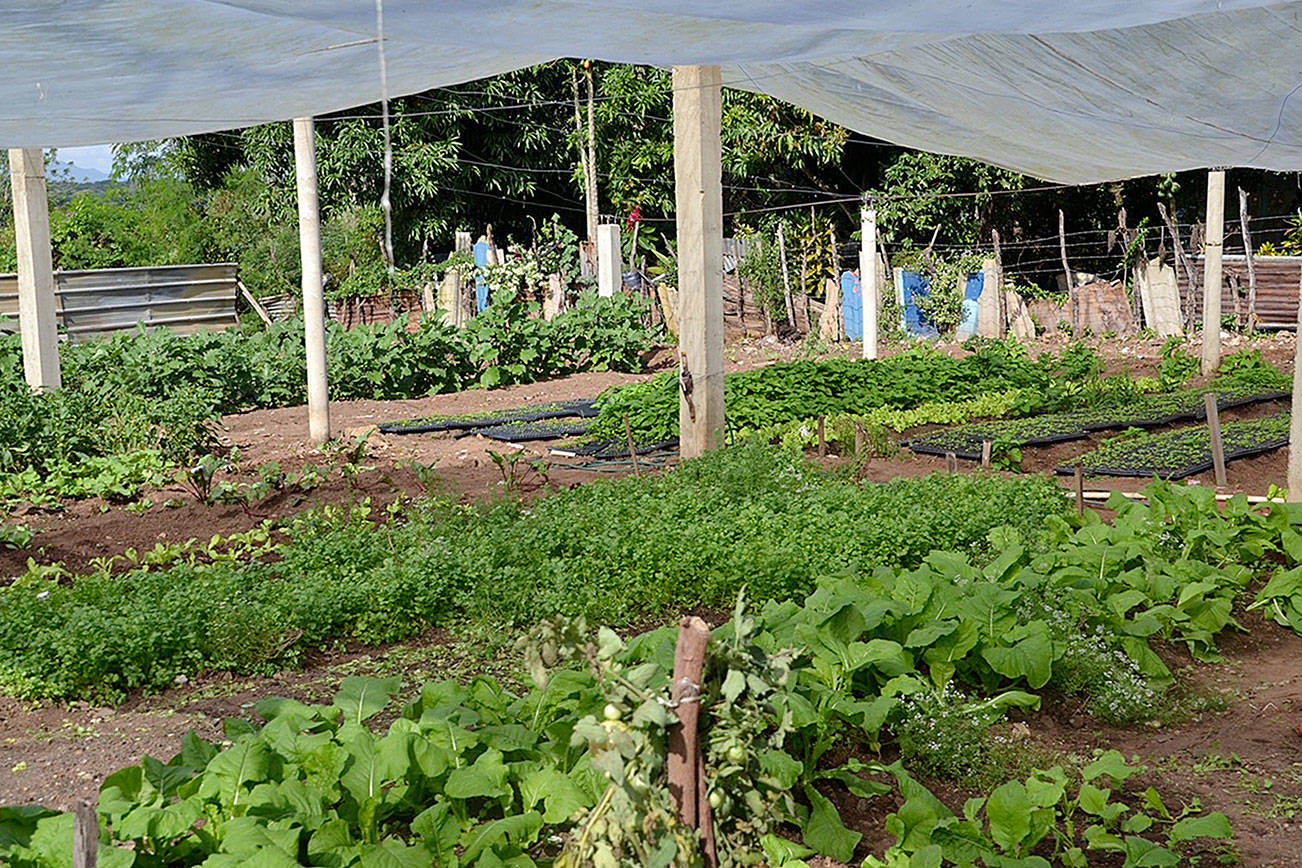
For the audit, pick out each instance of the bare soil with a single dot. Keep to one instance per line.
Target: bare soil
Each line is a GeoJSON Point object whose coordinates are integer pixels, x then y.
{"type": "Point", "coordinates": [1245, 761]}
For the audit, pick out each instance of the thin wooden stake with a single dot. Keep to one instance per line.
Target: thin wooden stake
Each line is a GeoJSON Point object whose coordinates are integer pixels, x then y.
{"type": "Point", "coordinates": [951, 462]}
{"type": "Point", "coordinates": [822, 436]}
{"type": "Point", "coordinates": [1066, 270]}
{"type": "Point", "coordinates": [1249, 260]}
{"type": "Point", "coordinates": [1080, 488]}
{"type": "Point", "coordinates": [986, 447]}
{"type": "Point", "coordinates": [1181, 260]}
{"type": "Point", "coordinates": [998, 288]}
{"type": "Point", "coordinates": [685, 784]}
{"type": "Point", "coordinates": [632, 447]}
{"type": "Point", "coordinates": [836, 275]}
{"type": "Point", "coordinates": [85, 841]}
{"type": "Point", "coordinates": [860, 439]}
{"type": "Point", "coordinates": [1214, 431]}
{"type": "Point", "coordinates": [786, 279]}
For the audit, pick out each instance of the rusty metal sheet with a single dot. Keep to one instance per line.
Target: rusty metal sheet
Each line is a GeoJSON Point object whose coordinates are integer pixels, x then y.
{"type": "Point", "coordinates": [98, 302]}
{"type": "Point", "coordinates": [1279, 281]}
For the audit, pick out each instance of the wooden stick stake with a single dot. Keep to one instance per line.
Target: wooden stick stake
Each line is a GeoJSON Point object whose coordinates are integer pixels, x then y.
{"type": "Point", "coordinates": [986, 446]}
{"type": "Point", "coordinates": [1080, 488]}
{"type": "Point", "coordinates": [786, 279]}
{"type": "Point", "coordinates": [951, 462]}
{"type": "Point", "coordinates": [85, 841]}
{"type": "Point", "coordinates": [1066, 269]}
{"type": "Point", "coordinates": [685, 784]}
{"type": "Point", "coordinates": [1214, 431]}
{"type": "Point", "coordinates": [822, 436]}
{"type": "Point", "coordinates": [860, 439]}
{"type": "Point", "coordinates": [1181, 260]}
{"type": "Point", "coordinates": [998, 288]}
{"type": "Point", "coordinates": [1249, 260]}
{"type": "Point", "coordinates": [632, 447]}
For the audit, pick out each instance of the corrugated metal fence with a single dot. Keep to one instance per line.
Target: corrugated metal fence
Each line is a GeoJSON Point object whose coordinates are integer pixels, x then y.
{"type": "Point", "coordinates": [1278, 281]}
{"type": "Point", "coordinates": [97, 302]}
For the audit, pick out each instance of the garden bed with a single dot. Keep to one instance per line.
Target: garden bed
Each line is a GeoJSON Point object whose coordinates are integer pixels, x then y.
{"type": "Point", "coordinates": [1183, 452]}
{"type": "Point", "coordinates": [1153, 411]}
{"type": "Point", "coordinates": [495, 419]}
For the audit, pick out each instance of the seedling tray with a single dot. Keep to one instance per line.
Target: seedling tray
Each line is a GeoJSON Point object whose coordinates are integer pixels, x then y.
{"type": "Point", "coordinates": [558, 410]}
{"type": "Point", "coordinates": [545, 429]}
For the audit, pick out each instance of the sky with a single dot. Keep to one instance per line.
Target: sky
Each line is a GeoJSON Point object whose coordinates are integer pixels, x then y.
{"type": "Point", "coordinates": [93, 157]}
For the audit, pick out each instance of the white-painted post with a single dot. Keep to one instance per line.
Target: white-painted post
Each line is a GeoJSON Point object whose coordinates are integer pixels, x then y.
{"type": "Point", "coordinates": [868, 280]}
{"type": "Point", "coordinates": [610, 263]}
{"type": "Point", "coordinates": [309, 242]}
{"type": "Point", "coordinates": [1212, 272]}
{"type": "Point", "coordinates": [698, 180]}
{"type": "Point", "coordinates": [37, 322]}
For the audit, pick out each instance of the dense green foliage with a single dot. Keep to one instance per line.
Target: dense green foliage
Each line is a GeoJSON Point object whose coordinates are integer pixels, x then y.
{"type": "Point", "coordinates": [616, 551]}
{"type": "Point", "coordinates": [807, 389]}
{"type": "Point", "coordinates": [476, 776]}
{"type": "Point", "coordinates": [154, 392]}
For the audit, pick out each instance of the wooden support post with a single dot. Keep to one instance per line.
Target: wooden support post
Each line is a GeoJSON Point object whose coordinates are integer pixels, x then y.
{"type": "Point", "coordinates": [837, 309]}
{"type": "Point", "coordinates": [309, 240]}
{"type": "Point", "coordinates": [1071, 281]}
{"type": "Point", "coordinates": [684, 739]}
{"type": "Point", "coordinates": [1249, 259]}
{"type": "Point", "coordinates": [1294, 479]}
{"type": "Point", "coordinates": [868, 280]}
{"type": "Point", "coordinates": [37, 321]}
{"type": "Point", "coordinates": [860, 439]}
{"type": "Point", "coordinates": [1215, 242]}
{"type": "Point", "coordinates": [1181, 261]}
{"type": "Point", "coordinates": [786, 278]}
{"type": "Point", "coordinates": [822, 436]}
{"type": "Point", "coordinates": [1214, 433]}
{"type": "Point", "coordinates": [698, 179]}
{"type": "Point", "coordinates": [85, 836]}
{"type": "Point", "coordinates": [986, 447]}
{"type": "Point", "coordinates": [951, 462]}
{"type": "Point", "coordinates": [998, 288]}
{"type": "Point", "coordinates": [1080, 488]}
{"type": "Point", "coordinates": [610, 262]}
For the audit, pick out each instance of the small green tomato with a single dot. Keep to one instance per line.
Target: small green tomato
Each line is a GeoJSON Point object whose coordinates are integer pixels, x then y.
{"type": "Point", "coordinates": [716, 799]}
{"type": "Point", "coordinates": [736, 754]}
{"type": "Point", "coordinates": [612, 711]}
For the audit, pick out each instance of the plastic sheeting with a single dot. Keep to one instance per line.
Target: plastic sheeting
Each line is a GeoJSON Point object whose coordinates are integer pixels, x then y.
{"type": "Point", "coordinates": [1075, 92]}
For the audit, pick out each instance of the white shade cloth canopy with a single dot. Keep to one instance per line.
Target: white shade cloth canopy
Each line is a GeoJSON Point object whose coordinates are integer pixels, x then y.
{"type": "Point", "coordinates": [1077, 92]}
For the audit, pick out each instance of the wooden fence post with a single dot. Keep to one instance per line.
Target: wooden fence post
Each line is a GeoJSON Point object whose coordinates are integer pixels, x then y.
{"type": "Point", "coordinates": [687, 783]}
{"type": "Point", "coordinates": [85, 841]}
{"type": "Point", "coordinates": [1080, 488]}
{"type": "Point", "coordinates": [1214, 432]}
{"type": "Point", "coordinates": [986, 448]}
{"type": "Point", "coordinates": [951, 462]}
{"type": "Point", "coordinates": [1248, 260]}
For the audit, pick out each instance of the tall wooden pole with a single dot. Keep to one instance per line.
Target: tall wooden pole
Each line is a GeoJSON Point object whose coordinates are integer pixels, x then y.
{"type": "Point", "coordinates": [868, 280]}
{"type": "Point", "coordinates": [698, 180]}
{"type": "Point", "coordinates": [1248, 260]}
{"type": "Point", "coordinates": [309, 242]}
{"type": "Point", "coordinates": [1212, 272]}
{"type": "Point", "coordinates": [1071, 281]}
{"type": "Point", "coordinates": [37, 321]}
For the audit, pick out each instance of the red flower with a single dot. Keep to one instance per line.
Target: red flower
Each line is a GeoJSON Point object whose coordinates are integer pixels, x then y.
{"type": "Point", "coordinates": [634, 218]}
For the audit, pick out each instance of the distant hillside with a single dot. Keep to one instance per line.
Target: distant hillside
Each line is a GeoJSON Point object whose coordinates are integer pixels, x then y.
{"type": "Point", "coordinates": [72, 173]}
